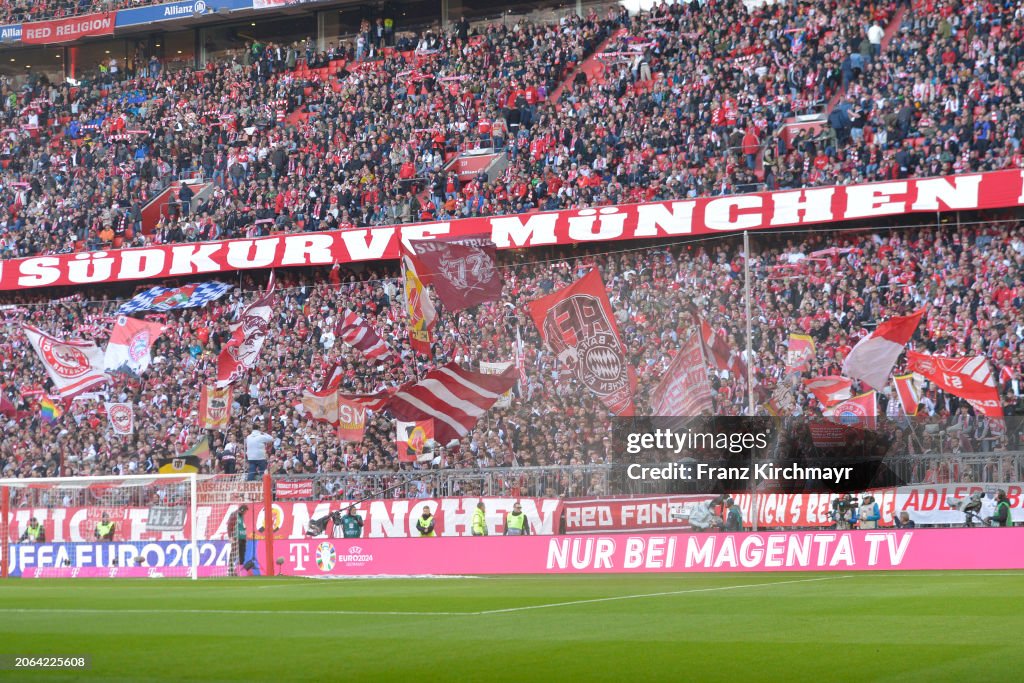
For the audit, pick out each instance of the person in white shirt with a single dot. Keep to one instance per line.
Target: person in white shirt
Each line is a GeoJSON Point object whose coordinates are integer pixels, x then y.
{"type": "Point", "coordinates": [875, 35]}
{"type": "Point", "coordinates": [256, 451]}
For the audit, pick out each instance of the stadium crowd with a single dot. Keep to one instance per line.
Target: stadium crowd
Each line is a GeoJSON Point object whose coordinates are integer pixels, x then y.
{"type": "Point", "coordinates": [967, 277]}
{"type": "Point", "coordinates": [684, 102]}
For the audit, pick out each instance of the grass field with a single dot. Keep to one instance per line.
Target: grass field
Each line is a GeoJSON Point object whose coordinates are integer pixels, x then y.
{"type": "Point", "coordinates": [741, 627]}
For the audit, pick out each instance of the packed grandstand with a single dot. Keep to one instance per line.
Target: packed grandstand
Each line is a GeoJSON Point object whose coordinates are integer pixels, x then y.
{"type": "Point", "coordinates": [596, 110]}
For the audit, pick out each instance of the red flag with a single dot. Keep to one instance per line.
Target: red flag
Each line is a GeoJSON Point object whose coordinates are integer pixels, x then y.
{"type": "Point", "coordinates": [214, 407]}
{"type": "Point", "coordinates": [908, 392]}
{"type": "Point", "coordinates": [375, 402]}
{"type": "Point", "coordinates": [418, 307]}
{"type": "Point", "coordinates": [871, 360]}
{"type": "Point", "coordinates": [74, 366]}
{"type": "Point", "coordinates": [576, 323]}
{"type": "Point", "coordinates": [829, 389]}
{"type": "Point", "coordinates": [454, 398]}
{"type": "Point", "coordinates": [969, 378]}
{"type": "Point", "coordinates": [242, 350]}
{"type": "Point", "coordinates": [719, 353]}
{"type": "Point", "coordinates": [462, 271]}
{"type": "Point", "coordinates": [354, 331]}
{"type": "Point", "coordinates": [7, 408]}
{"type": "Point", "coordinates": [800, 353]}
{"type": "Point", "coordinates": [412, 439]}
{"type": "Point", "coordinates": [859, 411]}
{"type": "Point", "coordinates": [684, 390]}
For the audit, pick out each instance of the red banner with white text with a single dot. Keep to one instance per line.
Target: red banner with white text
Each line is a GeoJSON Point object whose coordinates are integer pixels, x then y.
{"type": "Point", "coordinates": [653, 513]}
{"type": "Point", "coordinates": [708, 215]}
{"type": "Point", "coordinates": [67, 30]}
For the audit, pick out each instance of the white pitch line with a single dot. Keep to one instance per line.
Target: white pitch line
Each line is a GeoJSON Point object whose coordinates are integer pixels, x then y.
{"type": "Point", "coordinates": [45, 610]}
{"type": "Point", "coordinates": [656, 595]}
{"type": "Point", "coordinates": [49, 610]}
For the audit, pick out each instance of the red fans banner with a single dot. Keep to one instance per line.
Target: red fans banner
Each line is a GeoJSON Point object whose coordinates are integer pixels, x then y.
{"type": "Point", "coordinates": [461, 271]}
{"type": "Point", "coordinates": [684, 390]}
{"type": "Point", "coordinates": [969, 378]}
{"type": "Point", "coordinates": [453, 397]}
{"type": "Point", "coordinates": [214, 407]}
{"type": "Point", "coordinates": [576, 323]}
{"type": "Point", "coordinates": [67, 30]}
{"type": "Point", "coordinates": [242, 350]}
{"type": "Point", "coordinates": [121, 417]}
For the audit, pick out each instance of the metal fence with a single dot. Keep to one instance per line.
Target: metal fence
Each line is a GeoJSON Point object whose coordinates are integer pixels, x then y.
{"type": "Point", "coordinates": [580, 481]}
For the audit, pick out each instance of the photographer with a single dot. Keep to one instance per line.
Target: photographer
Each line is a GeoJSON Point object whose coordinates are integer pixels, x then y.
{"type": "Point", "coordinates": [702, 516]}
{"type": "Point", "coordinates": [844, 512]}
{"type": "Point", "coordinates": [1002, 517]}
{"type": "Point", "coordinates": [868, 514]}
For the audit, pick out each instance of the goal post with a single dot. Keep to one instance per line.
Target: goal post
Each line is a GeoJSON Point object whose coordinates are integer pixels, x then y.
{"type": "Point", "coordinates": [155, 525]}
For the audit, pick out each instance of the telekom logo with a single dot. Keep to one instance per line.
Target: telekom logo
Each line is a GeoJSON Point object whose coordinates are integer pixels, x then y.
{"type": "Point", "coordinates": [299, 555]}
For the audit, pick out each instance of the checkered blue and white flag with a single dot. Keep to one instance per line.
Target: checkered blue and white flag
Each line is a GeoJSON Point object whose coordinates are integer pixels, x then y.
{"type": "Point", "coordinates": [172, 299]}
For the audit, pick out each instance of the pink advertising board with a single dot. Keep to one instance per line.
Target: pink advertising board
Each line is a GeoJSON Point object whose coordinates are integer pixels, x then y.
{"type": "Point", "coordinates": [918, 549]}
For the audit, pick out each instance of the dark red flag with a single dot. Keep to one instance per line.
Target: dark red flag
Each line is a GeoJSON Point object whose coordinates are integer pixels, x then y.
{"type": "Point", "coordinates": [576, 323]}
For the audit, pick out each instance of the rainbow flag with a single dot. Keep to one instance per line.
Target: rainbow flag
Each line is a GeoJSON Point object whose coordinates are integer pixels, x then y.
{"type": "Point", "coordinates": [49, 410]}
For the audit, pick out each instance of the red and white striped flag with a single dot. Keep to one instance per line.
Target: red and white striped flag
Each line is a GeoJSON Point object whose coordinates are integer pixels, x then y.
{"type": "Point", "coordinates": [871, 360]}
{"type": "Point", "coordinates": [354, 331]}
{"type": "Point", "coordinates": [454, 398]}
{"type": "Point", "coordinates": [829, 389]}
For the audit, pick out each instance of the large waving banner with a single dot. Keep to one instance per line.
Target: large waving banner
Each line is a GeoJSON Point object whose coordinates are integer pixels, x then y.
{"type": "Point", "coordinates": [707, 215]}
{"type": "Point", "coordinates": [577, 325]}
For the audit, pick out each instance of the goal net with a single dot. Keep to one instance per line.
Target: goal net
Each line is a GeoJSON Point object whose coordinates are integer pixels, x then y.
{"type": "Point", "coordinates": [166, 525]}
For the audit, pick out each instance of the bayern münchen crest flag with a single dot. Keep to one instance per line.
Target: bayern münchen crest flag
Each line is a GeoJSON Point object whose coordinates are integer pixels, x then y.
{"type": "Point", "coordinates": [576, 323]}
{"type": "Point", "coordinates": [121, 417]}
{"type": "Point", "coordinates": [74, 365]}
{"type": "Point", "coordinates": [130, 344]}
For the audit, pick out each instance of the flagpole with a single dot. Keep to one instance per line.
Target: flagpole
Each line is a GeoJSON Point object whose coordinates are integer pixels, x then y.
{"type": "Point", "coordinates": [750, 365]}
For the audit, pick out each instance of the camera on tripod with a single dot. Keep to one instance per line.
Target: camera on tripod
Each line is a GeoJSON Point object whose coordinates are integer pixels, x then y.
{"type": "Point", "coordinates": [971, 507]}
{"type": "Point", "coordinates": [844, 511]}
{"type": "Point", "coordinates": [319, 525]}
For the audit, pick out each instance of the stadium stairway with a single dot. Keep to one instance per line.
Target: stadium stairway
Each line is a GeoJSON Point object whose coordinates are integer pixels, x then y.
{"type": "Point", "coordinates": [592, 66]}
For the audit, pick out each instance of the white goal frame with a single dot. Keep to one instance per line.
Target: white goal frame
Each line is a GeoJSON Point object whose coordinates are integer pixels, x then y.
{"type": "Point", "coordinates": [7, 484]}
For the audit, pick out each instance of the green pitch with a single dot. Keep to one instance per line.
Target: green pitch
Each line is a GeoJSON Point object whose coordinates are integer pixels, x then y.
{"type": "Point", "coordinates": [740, 627]}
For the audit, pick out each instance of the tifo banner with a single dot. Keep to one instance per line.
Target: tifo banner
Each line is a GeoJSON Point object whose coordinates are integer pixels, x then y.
{"type": "Point", "coordinates": [708, 215]}
{"type": "Point", "coordinates": [382, 519]}
{"type": "Point", "coordinates": [138, 556]}
{"type": "Point", "coordinates": [67, 30]}
{"type": "Point", "coordinates": [652, 513]}
{"type": "Point", "coordinates": [487, 368]}
{"type": "Point", "coordinates": [922, 549]}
